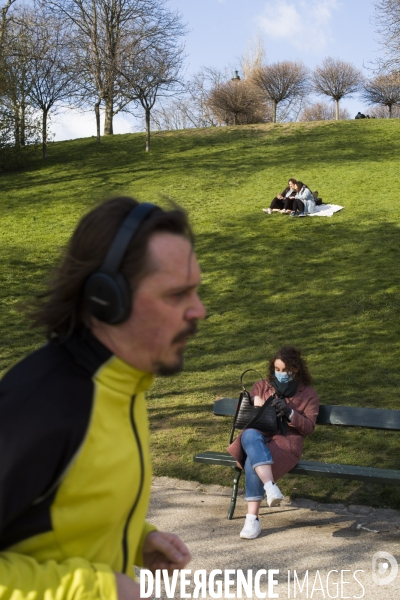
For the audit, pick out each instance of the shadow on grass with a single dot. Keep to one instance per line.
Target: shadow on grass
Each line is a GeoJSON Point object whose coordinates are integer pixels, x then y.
{"type": "Point", "coordinates": [332, 291]}
{"type": "Point", "coordinates": [328, 285]}
{"type": "Point", "coordinates": [229, 153]}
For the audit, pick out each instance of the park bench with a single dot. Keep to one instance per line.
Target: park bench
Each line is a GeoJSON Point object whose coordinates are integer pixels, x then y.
{"type": "Point", "coordinates": [348, 416]}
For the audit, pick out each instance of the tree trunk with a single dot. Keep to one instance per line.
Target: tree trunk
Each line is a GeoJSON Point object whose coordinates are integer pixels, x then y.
{"type": "Point", "coordinates": [147, 129]}
{"type": "Point", "coordinates": [235, 122]}
{"type": "Point", "coordinates": [17, 128]}
{"type": "Point", "coordinates": [108, 123]}
{"type": "Point", "coordinates": [274, 112]}
{"type": "Point", "coordinates": [97, 113]}
{"type": "Point", "coordinates": [22, 132]}
{"type": "Point", "coordinates": [337, 109]}
{"type": "Point", "coordinates": [44, 134]}
{"type": "Point", "coordinates": [390, 111]}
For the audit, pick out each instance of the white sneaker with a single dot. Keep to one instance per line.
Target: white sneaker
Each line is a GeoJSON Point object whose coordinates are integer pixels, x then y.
{"type": "Point", "coordinates": [267, 210]}
{"type": "Point", "coordinates": [274, 494]}
{"type": "Point", "coordinates": [251, 529]}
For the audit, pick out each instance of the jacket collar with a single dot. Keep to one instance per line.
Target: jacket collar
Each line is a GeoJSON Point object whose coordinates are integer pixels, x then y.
{"type": "Point", "coordinates": [97, 360]}
{"type": "Point", "coordinates": [121, 377]}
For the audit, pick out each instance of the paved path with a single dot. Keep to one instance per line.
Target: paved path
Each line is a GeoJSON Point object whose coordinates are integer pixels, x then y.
{"type": "Point", "coordinates": [300, 536]}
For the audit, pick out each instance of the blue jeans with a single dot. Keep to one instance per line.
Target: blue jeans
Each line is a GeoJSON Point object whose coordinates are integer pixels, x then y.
{"type": "Point", "coordinates": [257, 453]}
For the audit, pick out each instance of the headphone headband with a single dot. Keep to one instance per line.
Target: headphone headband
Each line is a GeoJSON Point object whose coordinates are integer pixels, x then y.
{"type": "Point", "coordinates": [125, 234]}
{"type": "Point", "coordinates": [107, 294]}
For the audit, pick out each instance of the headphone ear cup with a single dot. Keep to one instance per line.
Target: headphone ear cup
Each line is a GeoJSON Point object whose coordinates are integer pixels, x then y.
{"type": "Point", "coordinates": [108, 297]}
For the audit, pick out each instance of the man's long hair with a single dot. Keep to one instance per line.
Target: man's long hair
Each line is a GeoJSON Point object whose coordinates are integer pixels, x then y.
{"type": "Point", "coordinates": [60, 308]}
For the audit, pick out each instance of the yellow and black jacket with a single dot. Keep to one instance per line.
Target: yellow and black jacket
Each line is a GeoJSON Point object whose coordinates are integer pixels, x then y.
{"type": "Point", "coordinates": [75, 472]}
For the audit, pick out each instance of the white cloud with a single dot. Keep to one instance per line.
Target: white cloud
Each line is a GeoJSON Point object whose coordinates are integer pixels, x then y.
{"type": "Point", "coordinates": [71, 124]}
{"type": "Point", "coordinates": [305, 24]}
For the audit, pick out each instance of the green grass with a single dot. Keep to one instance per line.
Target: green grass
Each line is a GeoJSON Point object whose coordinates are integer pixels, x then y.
{"type": "Point", "coordinates": [330, 286]}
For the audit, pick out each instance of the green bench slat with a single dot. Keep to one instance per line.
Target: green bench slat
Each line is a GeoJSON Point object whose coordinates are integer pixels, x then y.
{"type": "Point", "coordinates": [215, 458]}
{"type": "Point", "coordinates": [351, 416]}
{"type": "Point", "coordinates": [316, 469]}
{"type": "Point", "coordinates": [225, 407]}
{"type": "Point", "coordinates": [368, 474]}
{"type": "Point", "coordinates": [330, 414]}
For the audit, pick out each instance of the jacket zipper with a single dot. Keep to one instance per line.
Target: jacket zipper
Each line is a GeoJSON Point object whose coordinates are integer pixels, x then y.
{"type": "Point", "coordinates": [126, 528]}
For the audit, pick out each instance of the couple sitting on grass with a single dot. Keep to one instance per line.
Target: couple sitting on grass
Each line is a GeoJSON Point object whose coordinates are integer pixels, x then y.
{"type": "Point", "coordinates": [296, 197]}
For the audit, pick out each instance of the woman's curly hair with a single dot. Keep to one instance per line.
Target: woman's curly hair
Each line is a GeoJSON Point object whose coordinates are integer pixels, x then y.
{"type": "Point", "coordinates": [294, 362]}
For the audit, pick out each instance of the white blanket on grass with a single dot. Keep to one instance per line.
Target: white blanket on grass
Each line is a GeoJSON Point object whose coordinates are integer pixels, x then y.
{"type": "Point", "coordinates": [325, 210]}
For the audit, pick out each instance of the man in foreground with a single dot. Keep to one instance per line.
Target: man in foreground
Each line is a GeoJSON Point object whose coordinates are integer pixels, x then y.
{"type": "Point", "coordinates": [75, 470]}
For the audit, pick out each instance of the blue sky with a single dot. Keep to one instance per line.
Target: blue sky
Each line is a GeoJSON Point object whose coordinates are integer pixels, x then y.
{"type": "Point", "coordinates": [220, 32]}
{"type": "Point", "coordinates": [307, 30]}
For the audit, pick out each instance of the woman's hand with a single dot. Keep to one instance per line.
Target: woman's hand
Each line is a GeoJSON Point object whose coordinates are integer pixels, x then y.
{"type": "Point", "coordinates": [282, 409]}
{"type": "Point", "coordinates": [257, 401]}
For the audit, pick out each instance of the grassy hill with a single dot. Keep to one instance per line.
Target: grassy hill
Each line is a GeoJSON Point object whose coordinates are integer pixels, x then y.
{"type": "Point", "coordinates": [330, 286]}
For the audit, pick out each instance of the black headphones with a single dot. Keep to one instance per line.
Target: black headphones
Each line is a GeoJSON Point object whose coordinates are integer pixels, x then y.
{"type": "Point", "coordinates": [107, 294]}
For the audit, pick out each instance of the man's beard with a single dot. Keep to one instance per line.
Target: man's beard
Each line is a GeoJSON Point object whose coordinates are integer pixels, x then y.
{"type": "Point", "coordinates": [166, 370]}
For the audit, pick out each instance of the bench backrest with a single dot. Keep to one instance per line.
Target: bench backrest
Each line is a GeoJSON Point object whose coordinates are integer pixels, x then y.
{"type": "Point", "coordinates": [330, 414]}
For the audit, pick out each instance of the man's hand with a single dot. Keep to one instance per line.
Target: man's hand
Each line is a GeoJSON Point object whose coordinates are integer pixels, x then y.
{"type": "Point", "coordinates": [127, 589]}
{"type": "Point", "coordinates": [164, 551]}
{"type": "Point", "coordinates": [160, 551]}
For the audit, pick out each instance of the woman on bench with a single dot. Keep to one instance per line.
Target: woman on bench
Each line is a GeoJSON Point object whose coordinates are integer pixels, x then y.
{"type": "Point", "coordinates": [266, 459]}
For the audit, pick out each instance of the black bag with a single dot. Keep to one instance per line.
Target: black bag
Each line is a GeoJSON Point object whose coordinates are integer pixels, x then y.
{"type": "Point", "coordinates": [262, 418]}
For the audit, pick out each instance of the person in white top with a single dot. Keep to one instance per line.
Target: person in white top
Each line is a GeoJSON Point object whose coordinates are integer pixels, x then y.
{"type": "Point", "coordinates": [304, 201]}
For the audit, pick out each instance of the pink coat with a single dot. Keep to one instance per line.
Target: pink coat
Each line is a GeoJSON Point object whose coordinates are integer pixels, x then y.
{"type": "Point", "coordinates": [286, 450]}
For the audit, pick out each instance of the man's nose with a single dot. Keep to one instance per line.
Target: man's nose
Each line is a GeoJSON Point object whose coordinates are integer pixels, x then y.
{"type": "Point", "coordinates": [197, 311]}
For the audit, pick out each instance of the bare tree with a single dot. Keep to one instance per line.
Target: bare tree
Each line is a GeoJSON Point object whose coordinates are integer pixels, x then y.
{"type": "Point", "coordinates": [19, 127]}
{"type": "Point", "coordinates": [290, 110]}
{"type": "Point", "coordinates": [174, 113]}
{"type": "Point", "coordinates": [254, 57]}
{"type": "Point", "coordinates": [387, 20]}
{"type": "Point", "coordinates": [336, 78]}
{"type": "Point", "coordinates": [281, 81]}
{"type": "Point", "coordinates": [384, 90]}
{"type": "Point", "coordinates": [4, 10]}
{"type": "Point", "coordinates": [4, 20]}
{"type": "Point", "coordinates": [237, 102]}
{"type": "Point", "coordinates": [157, 75]}
{"type": "Point", "coordinates": [192, 108]}
{"type": "Point", "coordinates": [152, 68]}
{"type": "Point", "coordinates": [381, 112]}
{"type": "Point", "coordinates": [18, 76]}
{"type": "Point", "coordinates": [98, 26]}
{"type": "Point", "coordinates": [113, 33]}
{"type": "Point", "coordinates": [49, 64]}
{"type": "Point", "coordinates": [321, 111]}
{"type": "Point", "coordinates": [198, 109]}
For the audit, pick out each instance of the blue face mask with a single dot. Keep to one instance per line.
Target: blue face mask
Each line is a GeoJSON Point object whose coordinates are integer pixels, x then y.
{"type": "Point", "coordinates": [283, 377]}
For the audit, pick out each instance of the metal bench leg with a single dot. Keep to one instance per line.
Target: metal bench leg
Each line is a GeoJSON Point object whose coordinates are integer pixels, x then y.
{"type": "Point", "coordinates": [234, 492]}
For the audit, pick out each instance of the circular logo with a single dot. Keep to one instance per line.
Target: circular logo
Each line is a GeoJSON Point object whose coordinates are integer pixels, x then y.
{"type": "Point", "coordinates": [384, 568]}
